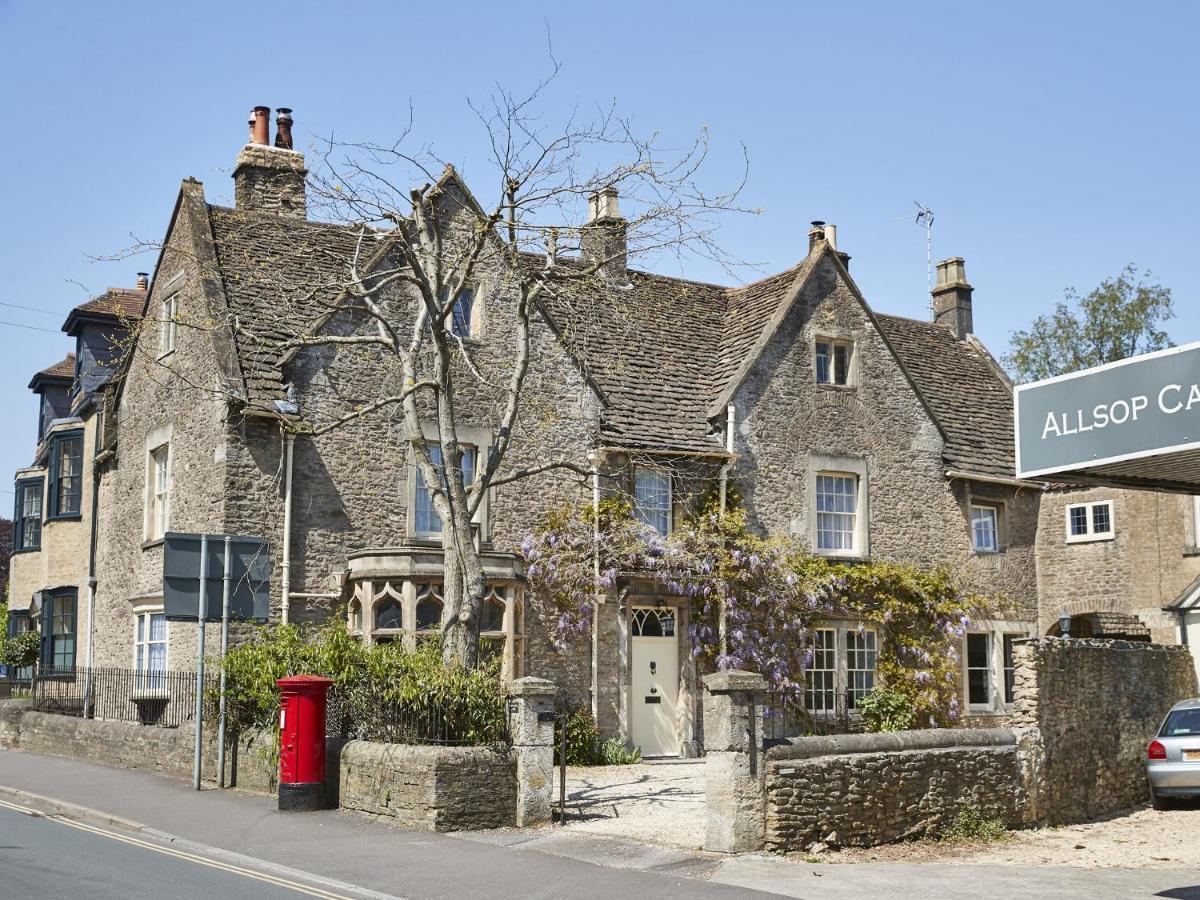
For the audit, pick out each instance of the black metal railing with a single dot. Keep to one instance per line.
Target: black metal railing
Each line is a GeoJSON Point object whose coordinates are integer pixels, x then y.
{"type": "Point", "coordinates": [165, 699]}
{"type": "Point", "coordinates": [366, 715]}
{"type": "Point", "coordinates": [786, 714]}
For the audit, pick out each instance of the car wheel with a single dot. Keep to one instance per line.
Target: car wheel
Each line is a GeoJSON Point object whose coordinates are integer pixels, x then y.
{"type": "Point", "coordinates": [1158, 801]}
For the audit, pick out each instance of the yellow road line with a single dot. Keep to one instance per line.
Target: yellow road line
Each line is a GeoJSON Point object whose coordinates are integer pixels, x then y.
{"type": "Point", "coordinates": [179, 854]}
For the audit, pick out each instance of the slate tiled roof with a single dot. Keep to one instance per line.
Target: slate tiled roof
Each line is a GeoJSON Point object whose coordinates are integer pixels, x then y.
{"type": "Point", "coordinates": [64, 368]}
{"type": "Point", "coordinates": [278, 273]}
{"type": "Point", "coordinates": [649, 346]}
{"type": "Point", "coordinates": [118, 303]}
{"type": "Point", "coordinates": [661, 349]}
{"type": "Point", "coordinates": [967, 396]}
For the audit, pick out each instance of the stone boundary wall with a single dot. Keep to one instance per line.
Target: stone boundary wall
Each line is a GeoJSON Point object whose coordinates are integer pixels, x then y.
{"type": "Point", "coordinates": [1094, 705]}
{"type": "Point", "coordinates": [866, 789]}
{"type": "Point", "coordinates": [431, 788]}
{"type": "Point", "coordinates": [164, 751]}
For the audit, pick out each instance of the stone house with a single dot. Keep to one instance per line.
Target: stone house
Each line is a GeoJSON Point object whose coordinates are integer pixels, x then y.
{"type": "Point", "coordinates": [866, 436]}
{"type": "Point", "coordinates": [53, 516]}
{"type": "Point", "coordinates": [1120, 563]}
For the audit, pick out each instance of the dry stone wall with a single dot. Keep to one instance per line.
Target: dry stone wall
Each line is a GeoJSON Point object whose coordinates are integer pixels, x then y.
{"type": "Point", "coordinates": [1095, 705]}
{"type": "Point", "coordinates": [431, 788]}
{"type": "Point", "coordinates": [861, 790]}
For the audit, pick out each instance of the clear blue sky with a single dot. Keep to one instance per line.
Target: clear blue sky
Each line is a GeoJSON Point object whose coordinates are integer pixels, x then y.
{"type": "Point", "coordinates": [1055, 142]}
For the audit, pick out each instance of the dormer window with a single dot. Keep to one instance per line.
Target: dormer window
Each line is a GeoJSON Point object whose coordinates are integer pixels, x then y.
{"type": "Point", "coordinates": [833, 358]}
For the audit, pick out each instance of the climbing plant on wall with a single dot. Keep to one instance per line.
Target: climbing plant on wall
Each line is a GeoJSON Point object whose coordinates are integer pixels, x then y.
{"type": "Point", "coordinates": [773, 592]}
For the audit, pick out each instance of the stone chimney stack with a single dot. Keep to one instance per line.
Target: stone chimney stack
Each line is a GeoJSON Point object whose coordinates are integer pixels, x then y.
{"type": "Point", "coordinates": [266, 178]}
{"type": "Point", "coordinates": [952, 298]}
{"type": "Point", "coordinates": [604, 235]}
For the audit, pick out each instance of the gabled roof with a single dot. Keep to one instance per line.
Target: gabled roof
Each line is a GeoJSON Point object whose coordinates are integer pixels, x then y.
{"type": "Point", "coordinates": [62, 372]}
{"type": "Point", "coordinates": [967, 394]}
{"type": "Point", "coordinates": [280, 276]}
{"type": "Point", "coordinates": [116, 305]}
{"type": "Point", "coordinates": [664, 353]}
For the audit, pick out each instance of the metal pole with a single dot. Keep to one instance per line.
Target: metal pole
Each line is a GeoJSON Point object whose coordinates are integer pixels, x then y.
{"type": "Point", "coordinates": [562, 769]}
{"type": "Point", "coordinates": [224, 648]}
{"type": "Point", "coordinates": [201, 609]}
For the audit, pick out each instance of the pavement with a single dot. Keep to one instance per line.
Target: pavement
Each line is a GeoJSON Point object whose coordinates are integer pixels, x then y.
{"type": "Point", "coordinates": [347, 855]}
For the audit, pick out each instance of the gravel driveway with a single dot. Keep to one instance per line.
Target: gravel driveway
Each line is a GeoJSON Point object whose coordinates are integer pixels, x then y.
{"type": "Point", "coordinates": [661, 803]}
{"type": "Point", "coordinates": [1139, 839]}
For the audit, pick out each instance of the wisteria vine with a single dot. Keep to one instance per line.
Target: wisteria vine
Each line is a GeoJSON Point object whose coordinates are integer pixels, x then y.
{"type": "Point", "coordinates": [775, 595]}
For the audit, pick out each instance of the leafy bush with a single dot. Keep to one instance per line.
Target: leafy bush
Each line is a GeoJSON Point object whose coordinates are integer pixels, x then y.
{"type": "Point", "coordinates": [20, 650]}
{"type": "Point", "coordinates": [971, 825]}
{"type": "Point", "coordinates": [613, 752]}
{"type": "Point", "coordinates": [886, 710]}
{"type": "Point", "coordinates": [384, 692]}
{"type": "Point", "coordinates": [584, 747]}
{"type": "Point", "coordinates": [583, 739]}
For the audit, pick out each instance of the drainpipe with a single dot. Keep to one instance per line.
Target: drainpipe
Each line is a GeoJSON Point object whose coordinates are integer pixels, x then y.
{"type": "Point", "coordinates": [730, 420]}
{"type": "Point", "coordinates": [91, 586]}
{"type": "Point", "coordinates": [286, 580]}
{"type": "Point", "coordinates": [594, 458]}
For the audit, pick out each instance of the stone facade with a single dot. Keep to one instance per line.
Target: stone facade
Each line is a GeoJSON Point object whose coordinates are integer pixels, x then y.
{"type": "Point", "coordinates": [862, 790]}
{"type": "Point", "coordinates": [1095, 706]}
{"type": "Point", "coordinates": [1151, 557]}
{"type": "Point", "coordinates": [430, 788]}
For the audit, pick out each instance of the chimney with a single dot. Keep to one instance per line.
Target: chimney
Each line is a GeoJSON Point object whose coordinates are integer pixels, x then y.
{"type": "Point", "coordinates": [815, 235]}
{"type": "Point", "coordinates": [266, 178]}
{"type": "Point", "coordinates": [283, 128]}
{"type": "Point", "coordinates": [604, 235]}
{"type": "Point", "coordinates": [952, 298]}
{"type": "Point", "coordinates": [143, 281]}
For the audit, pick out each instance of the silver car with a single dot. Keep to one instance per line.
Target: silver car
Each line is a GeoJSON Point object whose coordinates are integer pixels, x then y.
{"type": "Point", "coordinates": [1173, 757]}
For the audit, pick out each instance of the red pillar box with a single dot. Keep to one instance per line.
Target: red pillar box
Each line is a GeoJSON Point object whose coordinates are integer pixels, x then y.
{"type": "Point", "coordinates": [302, 742]}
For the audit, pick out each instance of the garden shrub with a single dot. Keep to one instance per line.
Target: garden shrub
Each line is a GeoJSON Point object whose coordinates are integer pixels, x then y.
{"type": "Point", "coordinates": [886, 710]}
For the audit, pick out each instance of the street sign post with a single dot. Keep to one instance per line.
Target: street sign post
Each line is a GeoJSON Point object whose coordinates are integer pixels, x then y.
{"type": "Point", "coordinates": [193, 566]}
{"type": "Point", "coordinates": [1140, 408]}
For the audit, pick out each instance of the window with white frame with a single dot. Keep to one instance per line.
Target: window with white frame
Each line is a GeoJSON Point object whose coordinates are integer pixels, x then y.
{"type": "Point", "coordinates": [837, 512]}
{"type": "Point", "coordinates": [1090, 521]}
{"type": "Point", "coordinates": [1010, 669]}
{"type": "Point", "coordinates": [652, 497]}
{"type": "Point", "coordinates": [832, 360]}
{"type": "Point", "coordinates": [820, 678]}
{"type": "Point", "coordinates": [979, 669]}
{"type": "Point", "coordinates": [158, 492]}
{"type": "Point", "coordinates": [985, 528]}
{"type": "Point", "coordinates": [426, 521]}
{"type": "Point", "coordinates": [27, 529]}
{"type": "Point", "coordinates": [150, 643]}
{"type": "Point", "coordinates": [168, 324]}
{"type": "Point", "coordinates": [862, 653]}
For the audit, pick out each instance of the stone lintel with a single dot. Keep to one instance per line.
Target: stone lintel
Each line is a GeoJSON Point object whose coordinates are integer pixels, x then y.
{"type": "Point", "coordinates": [730, 681]}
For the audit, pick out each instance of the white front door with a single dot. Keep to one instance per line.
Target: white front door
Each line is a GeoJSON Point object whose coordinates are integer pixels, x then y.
{"type": "Point", "coordinates": [655, 681]}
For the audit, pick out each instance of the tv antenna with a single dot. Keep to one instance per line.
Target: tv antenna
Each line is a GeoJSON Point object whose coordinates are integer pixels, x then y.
{"type": "Point", "coordinates": [924, 217]}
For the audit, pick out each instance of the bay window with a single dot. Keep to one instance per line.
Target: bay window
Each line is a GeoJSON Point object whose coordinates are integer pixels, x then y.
{"type": "Point", "coordinates": [27, 519]}
{"type": "Point", "coordinates": [66, 474]}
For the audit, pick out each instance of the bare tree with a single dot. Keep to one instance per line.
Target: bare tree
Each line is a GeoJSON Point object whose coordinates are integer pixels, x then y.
{"type": "Point", "coordinates": [416, 251]}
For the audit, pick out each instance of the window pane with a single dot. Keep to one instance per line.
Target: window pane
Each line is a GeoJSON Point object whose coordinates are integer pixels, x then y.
{"type": "Point", "coordinates": [158, 627]}
{"type": "Point", "coordinates": [819, 690]}
{"type": "Point", "coordinates": [861, 655]}
{"type": "Point", "coordinates": [978, 668]}
{"type": "Point", "coordinates": [425, 517]}
{"type": "Point", "coordinates": [836, 511]}
{"type": "Point", "coordinates": [429, 614]}
{"type": "Point", "coordinates": [389, 614]}
{"type": "Point", "coordinates": [1009, 668]}
{"type": "Point", "coordinates": [491, 617]}
{"type": "Point", "coordinates": [460, 315]}
{"type": "Point", "coordinates": [1101, 519]}
{"type": "Point", "coordinates": [823, 369]}
{"type": "Point", "coordinates": [983, 528]}
{"type": "Point", "coordinates": [70, 457]}
{"type": "Point", "coordinates": [1078, 520]}
{"type": "Point", "coordinates": [841, 363]}
{"type": "Point", "coordinates": [652, 498]}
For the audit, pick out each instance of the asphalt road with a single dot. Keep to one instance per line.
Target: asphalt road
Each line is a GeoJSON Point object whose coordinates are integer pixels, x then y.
{"type": "Point", "coordinates": [52, 857]}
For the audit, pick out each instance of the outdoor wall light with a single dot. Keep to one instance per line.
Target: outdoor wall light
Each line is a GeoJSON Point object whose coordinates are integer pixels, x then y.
{"type": "Point", "coordinates": [1064, 625]}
